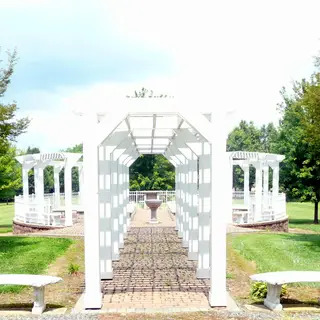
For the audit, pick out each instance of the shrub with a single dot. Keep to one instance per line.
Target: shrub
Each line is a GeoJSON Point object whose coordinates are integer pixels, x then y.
{"type": "Point", "coordinates": [259, 291]}
{"type": "Point", "coordinates": [73, 268]}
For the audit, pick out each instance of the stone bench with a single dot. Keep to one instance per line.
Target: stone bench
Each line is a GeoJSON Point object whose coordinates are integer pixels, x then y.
{"type": "Point", "coordinates": [38, 282]}
{"type": "Point", "coordinates": [275, 280]}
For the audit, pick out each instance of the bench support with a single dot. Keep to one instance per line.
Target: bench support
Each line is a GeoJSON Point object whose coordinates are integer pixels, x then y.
{"type": "Point", "coordinates": [272, 300]}
{"type": "Point", "coordinates": [38, 305]}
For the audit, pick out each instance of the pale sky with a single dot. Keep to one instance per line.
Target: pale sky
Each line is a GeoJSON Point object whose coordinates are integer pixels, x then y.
{"type": "Point", "coordinates": [240, 53]}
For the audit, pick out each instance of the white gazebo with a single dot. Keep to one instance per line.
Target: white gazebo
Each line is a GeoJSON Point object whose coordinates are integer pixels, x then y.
{"type": "Point", "coordinates": [188, 139]}
{"type": "Point", "coordinates": [48, 209]}
{"type": "Point", "coordinates": [261, 205]}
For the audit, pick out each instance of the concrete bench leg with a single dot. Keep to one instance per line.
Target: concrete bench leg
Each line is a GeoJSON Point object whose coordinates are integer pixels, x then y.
{"type": "Point", "coordinates": [273, 297]}
{"type": "Point", "coordinates": [38, 305]}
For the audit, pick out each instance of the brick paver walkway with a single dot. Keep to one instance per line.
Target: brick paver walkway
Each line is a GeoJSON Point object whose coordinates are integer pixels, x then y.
{"type": "Point", "coordinates": [154, 271]}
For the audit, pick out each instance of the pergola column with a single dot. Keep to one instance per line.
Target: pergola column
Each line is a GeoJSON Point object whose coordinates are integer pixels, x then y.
{"type": "Point", "coordinates": [92, 296]}
{"type": "Point", "coordinates": [114, 208]}
{"type": "Point", "coordinates": [219, 191]}
{"type": "Point", "coordinates": [204, 209]}
{"type": "Point", "coordinates": [229, 182]}
{"type": "Point", "coordinates": [80, 172]}
{"type": "Point", "coordinates": [258, 192]}
{"type": "Point", "coordinates": [193, 209]}
{"type": "Point", "coordinates": [106, 270]}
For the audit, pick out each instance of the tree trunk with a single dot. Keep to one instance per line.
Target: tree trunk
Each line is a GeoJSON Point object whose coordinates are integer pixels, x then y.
{"type": "Point", "coordinates": [316, 212]}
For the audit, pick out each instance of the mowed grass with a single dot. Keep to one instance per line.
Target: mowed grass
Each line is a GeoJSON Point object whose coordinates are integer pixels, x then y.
{"type": "Point", "coordinates": [6, 216]}
{"type": "Point", "coordinates": [301, 216]}
{"type": "Point", "coordinates": [280, 252]}
{"type": "Point", "coordinates": [27, 255]}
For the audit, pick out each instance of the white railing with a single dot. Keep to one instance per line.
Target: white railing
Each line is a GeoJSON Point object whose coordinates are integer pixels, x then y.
{"type": "Point", "coordinates": [141, 196]}
{"type": "Point", "coordinates": [33, 211]}
{"type": "Point", "coordinates": [272, 207]}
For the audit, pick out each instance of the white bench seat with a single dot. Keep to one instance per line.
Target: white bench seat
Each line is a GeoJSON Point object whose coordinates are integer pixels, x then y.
{"type": "Point", "coordinates": [275, 280]}
{"type": "Point", "coordinates": [38, 282]}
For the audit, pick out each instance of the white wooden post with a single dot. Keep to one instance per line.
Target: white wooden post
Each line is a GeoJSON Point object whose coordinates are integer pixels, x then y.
{"type": "Point", "coordinates": [258, 192]}
{"type": "Point", "coordinates": [39, 191]}
{"type": "Point", "coordinates": [204, 209]}
{"type": "Point", "coordinates": [80, 170]}
{"type": "Point", "coordinates": [25, 181]}
{"type": "Point", "coordinates": [68, 192]}
{"type": "Point", "coordinates": [193, 207]}
{"type": "Point", "coordinates": [265, 185]}
{"type": "Point", "coordinates": [219, 191]}
{"type": "Point", "coordinates": [56, 173]}
{"type": "Point", "coordinates": [92, 296]}
{"type": "Point", "coordinates": [114, 208]}
{"type": "Point", "coordinates": [229, 182]}
{"type": "Point", "coordinates": [105, 224]}
{"type": "Point", "coordinates": [246, 189]}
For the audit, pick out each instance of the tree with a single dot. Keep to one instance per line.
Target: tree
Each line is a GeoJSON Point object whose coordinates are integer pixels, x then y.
{"type": "Point", "coordinates": [10, 126]}
{"type": "Point", "coordinates": [10, 175]}
{"type": "Point", "coordinates": [300, 141]}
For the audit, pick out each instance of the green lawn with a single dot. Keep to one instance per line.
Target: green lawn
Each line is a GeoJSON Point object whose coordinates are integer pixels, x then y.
{"type": "Point", "coordinates": [6, 216]}
{"type": "Point", "coordinates": [29, 255]}
{"type": "Point", "coordinates": [301, 216]}
{"type": "Point", "coordinates": [280, 252]}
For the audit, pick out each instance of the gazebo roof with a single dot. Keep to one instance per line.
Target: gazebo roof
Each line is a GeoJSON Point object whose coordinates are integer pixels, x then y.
{"type": "Point", "coordinates": [255, 156]}
{"type": "Point", "coordinates": [52, 158]}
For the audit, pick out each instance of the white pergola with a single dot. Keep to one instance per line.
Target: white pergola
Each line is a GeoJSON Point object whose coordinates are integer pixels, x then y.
{"type": "Point", "coordinates": [174, 128]}
{"type": "Point", "coordinates": [59, 160]}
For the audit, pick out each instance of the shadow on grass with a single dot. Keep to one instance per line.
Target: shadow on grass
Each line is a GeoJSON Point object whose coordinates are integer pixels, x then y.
{"type": "Point", "coordinates": [285, 300]}
{"type": "Point", "coordinates": [9, 245]}
{"type": "Point", "coordinates": [302, 221]}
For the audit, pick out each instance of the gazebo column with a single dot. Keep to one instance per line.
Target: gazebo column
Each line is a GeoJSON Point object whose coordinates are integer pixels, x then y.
{"type": "Point", "coordinates": [265, 185]}
{"type": "Point", "coordinates": [275, 181]}
{"type": "Point", "coordinates": [246, 189]}
{"type": "Point", "coordinates": [25, 182]}
{"type": "Point", "coordinates": [258, 192]}
{"type": "Point", "coordinates": [204, 209]}
{"type": "Point", "coordinates": [39, 189]}
{"type": "Point", "coordinates": [92, 296]}
{"type": "Point", "coordinates": [56, 176]}
{"type": "Point", "coordinates": [193, 209]}
{"type": "Point", "coordinates": [68, 192]}
{"type": "Point", "coordinates": [105, 225]}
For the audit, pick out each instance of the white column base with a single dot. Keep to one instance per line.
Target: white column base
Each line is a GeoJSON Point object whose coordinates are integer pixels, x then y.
{"type": "Point", "coordinates": [218, 299]}
{"type": "Point", "coordinates": [92, 301]}
{"type": "Point", "coordinates": [121, 245]}
{"type": "Point", "coordinates": [193, 256]}
{"type": "Point", "coordinates": [38, 306]}
{"type": "Point", "coordinates": [272, 300]}
{"type": "Point", "coordinates": [185, 243]}
{"type": "Point", "coordinates": [107, 275]}
{"type": "Point", "coordinates": [203, 273]}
